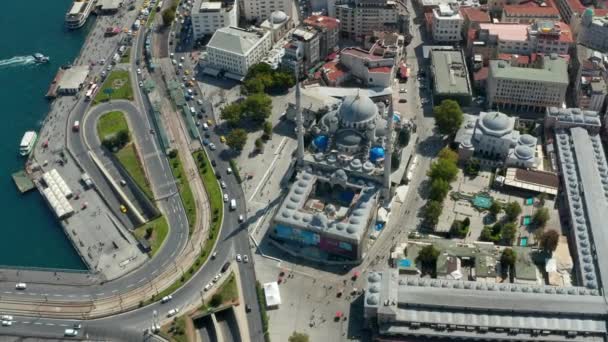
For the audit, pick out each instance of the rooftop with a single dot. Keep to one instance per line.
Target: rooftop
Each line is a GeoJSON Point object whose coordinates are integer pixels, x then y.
{"type": "Point", "coordinates": [333, 70]}
{"type": "Point", "coordinates": [511, 32]}
{"type": "Point", "coordinates": [74, 77]}
{"type": "Point", "coordinates": [210, 6]}
{"type": "Point", "coordinates": [449, 72]}
{"type": "Point", "coordinates": [235, 40]}
{"type": "Point", "coordinates": [554, 69]}
{"type": "Point", "coordinates": [475, 15]}
{"type": "Point", "coordinates": [304, 34]}
{"type": "Point", "coordinates": [322, 22]}
{"type": "Point", "coordinates": [357, 52]}
{"type": "Point", "coordinates": [530, 10]}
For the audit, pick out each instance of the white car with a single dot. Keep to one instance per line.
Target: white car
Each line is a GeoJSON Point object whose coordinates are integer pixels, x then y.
{"type": "Point", "coordinates": [171, 55]}
{"type": "Point", "coordinates": [21, 286]}
{"type": "Point", "coordinates": [199, 102]}
{"type": "Point", "coordinates": [216, 278]}
{"type": "Point", "coordinates": [212, 147]}
{"type": "Point", "coordinates": [229, 170]}
{"type": "Point", "coordinates": [70, 332]}
{"type": "Point", "coordinates": [213, 255]}
{"type": "Point", "coordinates": [166, 299]}
{"type": "Point", "coordinates": [172, 312]}
{"type": "Point", "coordinates": [7, 323]}
{"type": "Point", "coordinates": [141, 84]}
{"type": "Point", "coordinates": [182, 58]}
{"type": "Point", "coordinates": [403, 90]}
{"type": "Point", "coordinates": [238, 258]}
{"type": "Point", "coordinates": [7, 317]}
{"type": "Point", "coordinates": [245, 258]}
{"type": "Point", "coordinates": [241, 218]}
{"type": "Point", "coordinates": [225, 197]}
{"type": "Point", "coordinates": [223, 184]}
{"type": "Point", "coordinates": [138, 71]}
{"type": "Point", "coordinates": [207, 287]}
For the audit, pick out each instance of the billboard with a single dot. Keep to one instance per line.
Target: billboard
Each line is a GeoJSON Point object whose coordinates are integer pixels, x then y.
{"type": "Point", "coordinates": [294, 234]}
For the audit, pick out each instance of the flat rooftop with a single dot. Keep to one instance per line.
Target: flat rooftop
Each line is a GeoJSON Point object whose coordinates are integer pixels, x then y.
{"type": "Point", "coordinates": [554, 70]}
{"type": "Point", "coordinates": [449, 72]}
{"type": "Point", "coordinates": [74, 77]}
{"type": "Point", "coordinates": [510, 32]}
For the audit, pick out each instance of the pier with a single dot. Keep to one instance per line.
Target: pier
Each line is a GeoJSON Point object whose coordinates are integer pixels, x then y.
{"type": "Point", "coordinates": [23, 181]}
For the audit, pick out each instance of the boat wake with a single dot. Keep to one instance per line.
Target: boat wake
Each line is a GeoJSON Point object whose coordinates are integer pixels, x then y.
{"type": "Point", "coordinates": [17, 61]}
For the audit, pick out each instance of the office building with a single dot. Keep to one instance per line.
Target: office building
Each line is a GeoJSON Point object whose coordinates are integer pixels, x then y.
{"type": "Point", "coordinates": [233, 50]}
{"type": "Point", "coordinates": [446, 26]}
{"type": "Point", "coordinates": [359, 18]}
{"type": "Point", "coordinates": [208, 17]}
{"type": "Point", "coordinates": [259, 10]}
{"type": "Point", "coordinates": [588, 72]}
{"type": "Point", "coordinates": [529, 89]}
{"type": "Point", "coordinates": [472, 17]}
{"type": "Point", "coordinates": [593, 31]}
{"type": "Point", "coordinates": [450, 76]}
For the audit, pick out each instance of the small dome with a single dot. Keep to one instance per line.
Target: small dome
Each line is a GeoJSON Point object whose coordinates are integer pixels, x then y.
{"type": "Point", "coordinates": [376, 153]}
{"type": "Point", "coordinates": [278, 17]}
{"type": "Point", "coordinates": [373, 277]}
{"type": "Point", "coordinates": [527, 139]}
{"type": "Point", "coordinates": [372, 300]}
{"type": "Point", "coordinates": [524, 152]}
{"type": "Point", "coordinates": [320, 142]}
{"type": "Point", "coordinates": [359, 108]}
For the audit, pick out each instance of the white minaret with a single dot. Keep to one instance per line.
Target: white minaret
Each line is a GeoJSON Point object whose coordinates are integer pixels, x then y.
{"type": "Point", "coordinates": [299, 120]}
{"type": "Point", "coordinates": [388, 153]}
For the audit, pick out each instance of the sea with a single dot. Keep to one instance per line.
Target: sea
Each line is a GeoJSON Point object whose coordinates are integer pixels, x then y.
{"type": "Point", "coordinates": [30, 235]}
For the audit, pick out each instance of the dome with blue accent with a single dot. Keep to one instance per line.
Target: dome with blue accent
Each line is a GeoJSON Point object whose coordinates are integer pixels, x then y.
{"type": "Point", "coordinates": [376, 153]}
{"type": "Point", "coordinates": [321, 142]}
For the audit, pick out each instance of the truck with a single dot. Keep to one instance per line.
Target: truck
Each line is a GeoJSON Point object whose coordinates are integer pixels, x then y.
{"type": "Point", "coordinates": [233, 204]}
{"type": "Point", "coordinates": [76, 126]}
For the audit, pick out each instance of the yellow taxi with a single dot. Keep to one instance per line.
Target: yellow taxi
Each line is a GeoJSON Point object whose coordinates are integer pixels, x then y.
{"type": "Point", "coordinates": [123, 209]}
{"type": "Point", "coordinates": [209, 123]}
{"type": "Point", "coordinates": [223, 139]}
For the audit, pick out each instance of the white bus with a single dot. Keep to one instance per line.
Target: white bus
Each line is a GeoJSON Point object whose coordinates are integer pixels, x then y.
{"type": "Point", "coordinates": [91, 92]}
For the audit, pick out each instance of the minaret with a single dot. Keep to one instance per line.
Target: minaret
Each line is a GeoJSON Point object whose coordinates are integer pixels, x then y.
{"type": "Point", "coordinates": [388, 153]}
{"type": "Point", "coordinates": [299, 120]}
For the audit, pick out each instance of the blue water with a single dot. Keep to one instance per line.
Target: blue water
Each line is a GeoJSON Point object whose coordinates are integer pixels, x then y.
{"type": "Point", "coordinates": [31, 236]}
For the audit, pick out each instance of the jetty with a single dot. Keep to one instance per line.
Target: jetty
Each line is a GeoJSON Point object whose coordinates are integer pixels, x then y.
{"type": "Point", "coordinates": [23, 181]}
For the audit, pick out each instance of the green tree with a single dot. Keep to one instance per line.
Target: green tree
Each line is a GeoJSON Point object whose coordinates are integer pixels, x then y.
{"type": "Point", "coordinates": [168, 16]}
{"type": "Point", "coordinates": [217, 299]}
{"type": "Point", "coordinates": [236, 139]}
{"type": "Point", "coordinates": [256, 69]}
{"type": "Point", "coordinates": [448, 117]}
{"type": "Point", "coordinates": [472, 167]}
{"type": "Point", "coordinates": [508, 233]}
{"type": "Point", "coordinates": [508, 258]}
{"type": "Point", "coordinates": [283, 81]}
{"type": "Point", "coordinates": [427, 256]}
{"type": "Point", "coordinates": [259, 144]}
{"type": "Point", "coordinates": [448, 154]}
{"type": "Point", "coordinates": [542, 197]}
{"type": "Point", "coordinates": [298, 337]}
{"type": "Point", "coordinates": [443, 169]}
{"type": "Point", "coordinates": [232, 113]}
{"type": "Point", "coordinates": [459, 229]}
{"type": "Point", "coordinates": [404, 137]}
{"type": "Point", "coordinates": [512, 210]}
{"type": "Point", "coordinates": [466, 222]}
{"type": "Point", "coordinates": [432, 211]}
{"type": "Point", "coordinates": [439, 189]}
{"type": "Point", "coordinates": [122, 137]}
{"type": "Point", "coordinates": [267, 129]}
{"type": "Point", "coordinates": [495, 208]}
{"type": "Point", "coordinates": [549, 240]}
{"type": "Point", "coordinates": [257, 107]}
{"type": "Point", "coordinates": [541, 216]}
{"type": "Point", "coordinates": [254, 85]}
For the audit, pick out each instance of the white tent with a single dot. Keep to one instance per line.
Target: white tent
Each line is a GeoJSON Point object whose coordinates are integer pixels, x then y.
{"type": "Point", "coordinates": [272, 294]}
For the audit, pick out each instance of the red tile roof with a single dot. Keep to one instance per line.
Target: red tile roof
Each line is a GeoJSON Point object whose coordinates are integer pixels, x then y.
{"type": "Point", "coordinates": [322, 21]}
{"type": "Point", "coordinates": [475, 15]}
{"type": "Point", "coordinates": [481, 74]}
{"type": "Point", "coordinates": [333, 70]}
{"type": "Point", "coordinates": [530, 10]}
{"type": "Point", "coordinates": [383, 70]}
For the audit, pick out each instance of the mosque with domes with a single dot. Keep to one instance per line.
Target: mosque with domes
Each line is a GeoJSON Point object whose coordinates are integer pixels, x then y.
{"type": "Point", "coordinates": [342, 179]}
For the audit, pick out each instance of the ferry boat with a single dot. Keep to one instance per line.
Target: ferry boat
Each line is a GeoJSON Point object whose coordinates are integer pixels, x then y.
{"type": "Point", "coordinates": [78, 14]}
{"type": "Point", "coordinates": [27, 143]}
{"type": "Point", "coordinates": [40, 58]}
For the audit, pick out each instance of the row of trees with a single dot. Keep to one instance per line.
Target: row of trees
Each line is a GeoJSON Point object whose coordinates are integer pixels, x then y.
{"type": "Point", "coordinates": [441, 174]}
{"type": "Point", "coordinates": [262, 78]}
{"type": "Point", "coordinates": [448, 117]}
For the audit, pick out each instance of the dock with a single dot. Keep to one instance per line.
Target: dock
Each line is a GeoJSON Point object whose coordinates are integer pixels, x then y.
{"type": "Point", "coordinates": [23, 181]}
{"type": "Point", "coordinates": [52, 92]}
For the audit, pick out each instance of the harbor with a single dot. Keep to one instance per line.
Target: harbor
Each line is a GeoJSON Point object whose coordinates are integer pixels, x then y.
{"type": "Point", "coordinates": [23, 181]}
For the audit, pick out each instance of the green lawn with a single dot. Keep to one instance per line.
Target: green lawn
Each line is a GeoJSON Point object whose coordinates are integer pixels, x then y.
{"type": "Point", "coordinates": [185, 191]}
{"type": "Point", "coordinates": [215, 200]}
{"type": "Point", "coordinates": [120, 82]}
{"type": "Point", "coordinates": [160, 229]}
{"type": "Point", "coordinates": [130, 161]}
{"type": "Point", "coordinates": [110, 124]}
{"type": "Point", "coordinates": [126, 56]}
{"type": "Point", "coordinates": [151, 17]}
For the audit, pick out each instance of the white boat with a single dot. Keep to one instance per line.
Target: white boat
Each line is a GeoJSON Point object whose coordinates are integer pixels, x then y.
{"type": "Point", "coordinates": [77, 16]}
{"type": "Point", "coordinates": [27, 143]}
{"type": "Point", "coordinates": [40, 58]}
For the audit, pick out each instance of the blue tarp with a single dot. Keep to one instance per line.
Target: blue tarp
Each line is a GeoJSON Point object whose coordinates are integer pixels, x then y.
{"type": "Point", "coordinates": [379, 226]}
{"type": "Point", "coordinates": [347, 196]}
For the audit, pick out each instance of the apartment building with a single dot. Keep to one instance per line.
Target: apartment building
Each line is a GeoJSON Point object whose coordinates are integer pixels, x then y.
{"type": "Point", "coordinates": [329, 32]}
{"type": "Point", "coordinates": [359, 18]}
{"type": "Point", "coordinates": [302, 50]}
{"type": "Point", "coordinates": [208, 17]}
{"type": "Point", "coordinates": [527, 14]}
{"type": "Point", "coordinates": [593, 30]}
{"type": "Point", "coordinates": [260, 10]}
{"type": "Point", "coordinates": [588, 73]}
{"type": "Point", "coordinates": [233, 50]}
{"type": "Point", "coordinates": [534, 88]}
{"type": "Point", "coordinates": [446, 26]}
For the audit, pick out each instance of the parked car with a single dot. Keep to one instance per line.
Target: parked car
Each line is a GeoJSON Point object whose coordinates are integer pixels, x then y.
{"type": "Point", "coordinates": [166, 299]}
{"type": "Point", "coordinates": [238, 258]}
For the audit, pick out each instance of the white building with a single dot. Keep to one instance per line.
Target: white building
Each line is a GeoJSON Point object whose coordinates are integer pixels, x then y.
{"type": "Point", "coordinates": [446, 24]}
{"type": "Point", "coordinates": [370, 69]}
{"type": "Point", "coordinates": [234, 50]}
{"type": "Point", "coordinates": [533, 88]}
{"type": "Point", "coordinates": [260, 10]}
{"type": "Point", "coordinates": [359, 18]}
{"type": "Point", "coordinates": [279, 24]}
{"type": "Point", "coordinates": [208, 17]}
{"type": "Point", "coordinates": [491, 138]}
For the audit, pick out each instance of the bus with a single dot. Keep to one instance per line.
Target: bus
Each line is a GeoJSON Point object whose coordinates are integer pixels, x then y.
{"type": "Point", "coordinates": [159, 6]}
{"type": "Point", "coordinates": [91, 92]}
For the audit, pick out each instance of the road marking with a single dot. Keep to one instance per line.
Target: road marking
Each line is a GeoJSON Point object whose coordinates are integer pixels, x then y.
{"type": "Point", "coordinates": [20, 293]}
{"type": "Point", "coordinates": [57, 295]}
{"type": "Point", "coordinates": [63, 325]}
{"type": "Point", "coordinates": [172, 254]}
{"type": "Point", "coordinates": [101, 294]}
{"type": "Point", "coordinates": [86, 296]}
{"type": "Point", "coordinates": [130, 285]}
{"type": "Point", "coordinates": [32, 294]}
{"type": "Point", "coordinates": [7, 292]}
{"type": "Point", "coordinates": [38, 323]}
{"type": "Point", "coordinates": [140, 280]}
{"type": "Point", "coordinates": [154, 272]}
{"type": "Point", "coordinates": [174, 210]}
{"type": "Point", "coordinates": [71, 296]}
{"type": "Point", "coordinates": [50, 324]}
{"type": "Point", "coordinates": [26, 322]}
{"type": "Point", "coordinates": [164, 263]}
{"type": "Point", "coordinates": [114, 291]}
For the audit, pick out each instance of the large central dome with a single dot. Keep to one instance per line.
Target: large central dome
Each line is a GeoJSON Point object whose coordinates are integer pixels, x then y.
{"type": "Point", "coordinates": [357, 109]}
